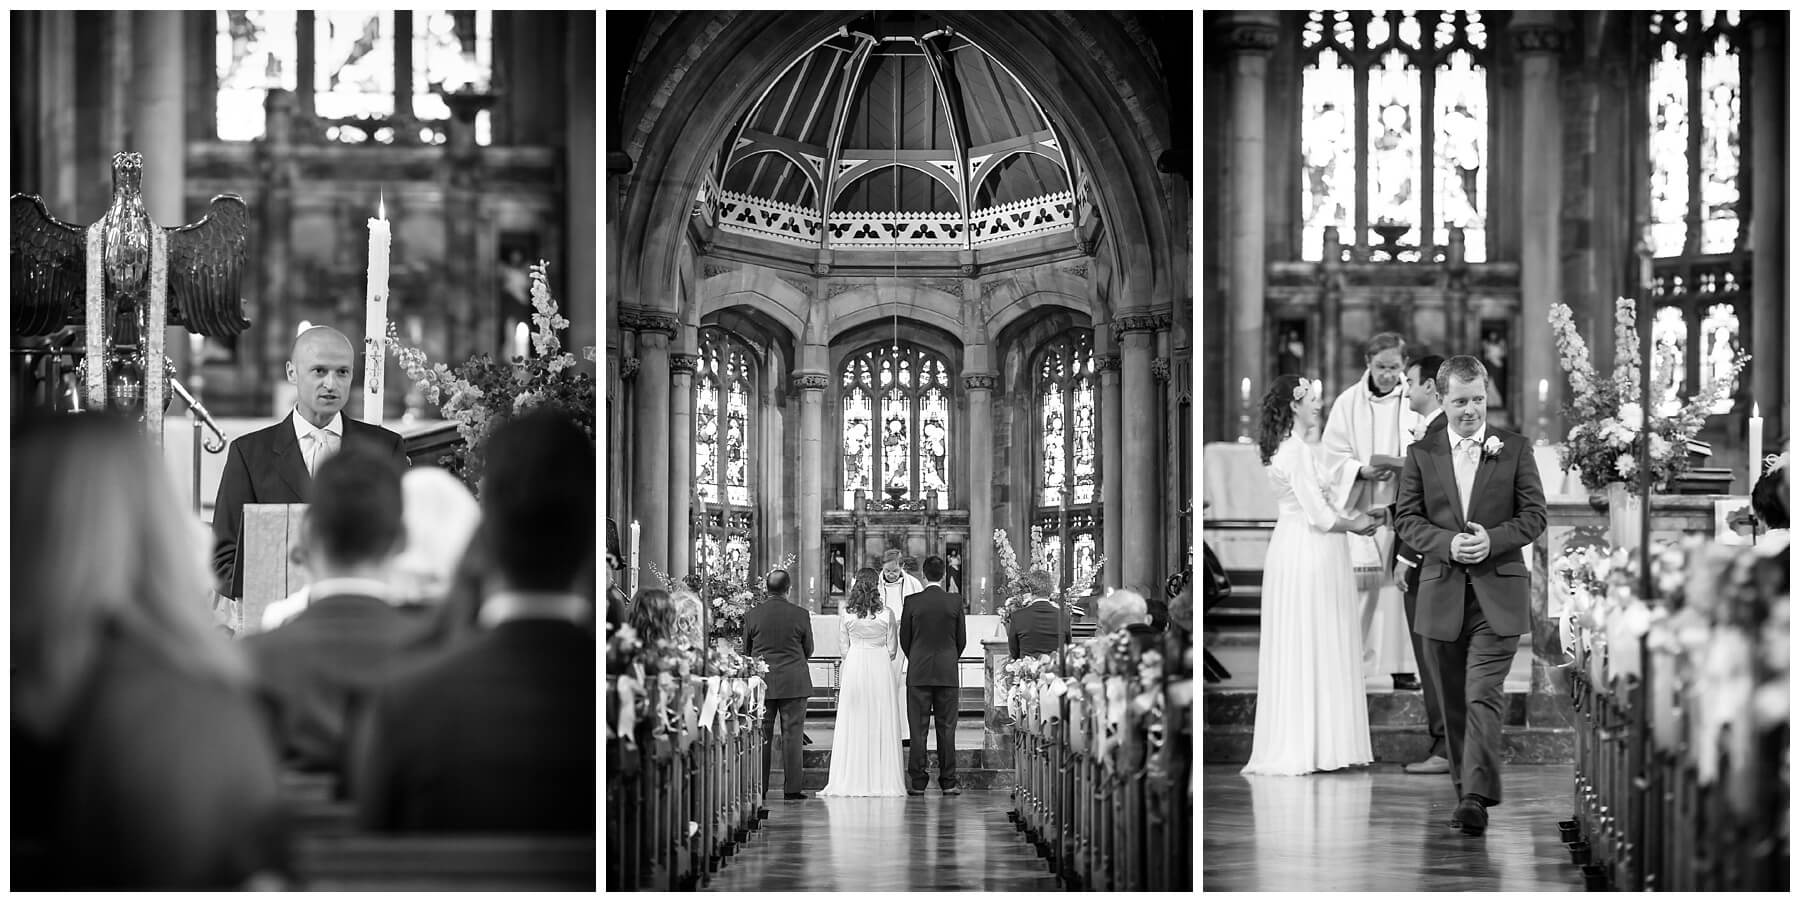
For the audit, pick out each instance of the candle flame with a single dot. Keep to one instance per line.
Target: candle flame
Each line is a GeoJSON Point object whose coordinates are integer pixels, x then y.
{"type": "Point", "coordinates": [1755, 411]}
{"type": "Point", "coordinates": [381, 206]}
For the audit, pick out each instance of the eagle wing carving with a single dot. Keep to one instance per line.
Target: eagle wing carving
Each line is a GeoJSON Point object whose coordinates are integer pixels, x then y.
{"type": "Point", "coordinates": [49, 269]}
{"type": "Point", "coordinates": [206, 269]}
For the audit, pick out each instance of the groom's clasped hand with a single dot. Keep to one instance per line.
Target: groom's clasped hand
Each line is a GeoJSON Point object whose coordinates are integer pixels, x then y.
{"type": "Point", "coordinates": [1470, 546]}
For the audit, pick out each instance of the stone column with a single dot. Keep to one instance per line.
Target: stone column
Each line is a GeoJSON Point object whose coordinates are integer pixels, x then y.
{"type": "Point", "coordinates": [1768, 225]}
{"type": "Point", "coordinates": [157, 113]}
{"type": "Point", "coordinates": [1539, 43]}
{"type": "Point", "coordinates": [1136, 337]}
{"type": "Point", "coordinates": [1249, 37]}
{"type": "Point", "coordinates": [1112, 471]}
{"type": "Point", "coordinates": [650, 481]}
{"type": "Point", "coordinates": [1168, 503]}
{"type": "Point", "coordinates": [980, 565]}
{"type": "Point", "coordinates": [811, 575]}
{"type": "Point", "coordinates": [681, 461]}
{"type": "Point", "coordinates": [579, 155]}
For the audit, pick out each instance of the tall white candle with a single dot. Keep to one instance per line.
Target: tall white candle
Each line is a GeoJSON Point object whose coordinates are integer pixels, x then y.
{"type": "Point", "coordinates": [521, 341]}
{"type": "Point", "coordinates": [1756, 445]}
{"type": "Point", "coordinates": [1543, 392]}
{"type": "Point", "coordinates": [1245, 391]}
{"type": "Point", "coordinates": [375, 326]}
{"type": "Point", "coordinates": [632, 574]}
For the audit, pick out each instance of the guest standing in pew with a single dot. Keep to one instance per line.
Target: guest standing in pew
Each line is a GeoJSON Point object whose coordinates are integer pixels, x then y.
{"type": "Point", "coordinates": [314, 670]}
{"type": "Point", "coordinates": [275, 465]}
{"type": "Point", "coordinates": [1127, 610]}
{"type": "Point", "coordinates": [653, 616]}
{"type": "Point", "coordinates": [781, 632]}
{"type": "Point", "coordinates": [1311, 711]}
{"type": "Point", "coordinates": [138, 759]}
{"type": "Point", "coordinates": [497, 735]}
{"type": "Point", "coordinates": [1036, 628]}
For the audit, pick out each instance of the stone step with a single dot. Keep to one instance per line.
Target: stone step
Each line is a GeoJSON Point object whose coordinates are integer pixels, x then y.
{"type": "Point", "coordinates": [814, 778]}
{"type": "Point", "coordinates": [1399, 745]}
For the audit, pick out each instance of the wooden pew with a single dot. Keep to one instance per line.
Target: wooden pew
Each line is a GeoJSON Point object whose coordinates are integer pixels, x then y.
{"type": "Point", "coordinates": [393, 863]}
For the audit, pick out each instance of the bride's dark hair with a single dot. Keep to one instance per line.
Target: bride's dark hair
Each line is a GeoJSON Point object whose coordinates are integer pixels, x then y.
{"type": "Point", "coordinates": [1277, 414]}
{"type": "Point", "coordinates": [865, 598]}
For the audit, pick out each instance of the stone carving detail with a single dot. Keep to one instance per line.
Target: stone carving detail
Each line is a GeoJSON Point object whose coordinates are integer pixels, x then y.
{"type": "Point", "coordinates": [628, 368]}
{"type": "Point", "coordinates": [1079, 269]}
{"type": "Point", "coordinates": [1251, 37]}
{"type": "Point", "coordinates": [804, 286]}
{"type": "Point", "coordinates": [713, 269]}
{"type": "Point", "coordinates": [821, 269]}
{"type": "Point", "coordinates": [651, 321]}
{"type": "Point", "coordinates": [1537, 39]}
{"type": "Point", "coordinates": [979, 382]}
{"type": "Point", "coordinates": [952, 287]}
{"type": "Point", "coordinates": [1106, 363]}
{"type": "Point", "coordinates": [988, 288]}
{"type": "Point", "coordinates": [683, 364]}
{"type": "Point", "coordinates": [1159, 368]}
{"type": "Point", "coordinates": [1138, 322]}
{"type": "Point", "coordinates": [836, 288]}
{"type": "Point", "coordinates": [811, 381]}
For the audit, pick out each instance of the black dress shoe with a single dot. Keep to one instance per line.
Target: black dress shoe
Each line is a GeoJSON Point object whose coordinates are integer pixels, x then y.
{"type": "Point", "coordinates": [1470, 816]}
{"type": "Point", "coordinates": [952, 791]}
{"type": "Point", "coordinates": [915, 792]}
{"type": "Point", "coordinates": [1406, 682]}
{"type": "Point", "coordinates": [795, 796]}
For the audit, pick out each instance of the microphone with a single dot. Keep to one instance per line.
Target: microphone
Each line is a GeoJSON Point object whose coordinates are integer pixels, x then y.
{"type": "Point", "coordinates": [198, 410]}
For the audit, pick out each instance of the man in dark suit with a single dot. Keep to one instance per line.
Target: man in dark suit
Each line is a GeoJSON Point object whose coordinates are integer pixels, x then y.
{"type": "Point", "coordinates": [1422, 396]}
{"type": "Point", "coordinates": [1035, 628]}
{"type": "Point", "coordinates": [1474, 588]}
{"type": "Point", "coordinates": [497, 735]}
{"type": "Point", "coordinates": [933, 630]}
{"type": "Point", "coordinates": [315, 669]}
{"type": "Point", "coordinates": [274, 465]}
{"type": "Point", "coordinates": [781, 632]}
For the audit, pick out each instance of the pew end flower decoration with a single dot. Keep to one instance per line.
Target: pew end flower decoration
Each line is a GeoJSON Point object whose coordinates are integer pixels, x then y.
{"type": "Point", "coordinates": [1607, 442]}
{"type": "Point", "coordinates": [482, 393]}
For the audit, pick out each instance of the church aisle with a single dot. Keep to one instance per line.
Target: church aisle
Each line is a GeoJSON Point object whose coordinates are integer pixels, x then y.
{"type": "Point", "coordinates": [917, 843]}
{"type": "Point", "coordinates": [1382, 830]}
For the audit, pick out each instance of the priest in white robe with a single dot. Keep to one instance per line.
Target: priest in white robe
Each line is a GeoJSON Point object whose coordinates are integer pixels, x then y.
{"type": "Point", "coordinates": [1371, 424]}
{"type": "Point", "coordinates": [895, 584]}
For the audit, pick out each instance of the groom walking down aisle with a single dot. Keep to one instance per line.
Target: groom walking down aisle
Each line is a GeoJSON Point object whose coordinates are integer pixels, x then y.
{"type": "Point", "coordinates": [933, 631]}
{"type": "Point", "coordinates": [1470, 499]}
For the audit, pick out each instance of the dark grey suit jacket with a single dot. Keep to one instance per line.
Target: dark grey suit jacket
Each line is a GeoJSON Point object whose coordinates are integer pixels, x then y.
{"type": "Point", "coordinates": [781, 632]}
{"type": "Point", "coordinates": [933, 631]}
{"type": "Point", "coordinates": [268, 467]}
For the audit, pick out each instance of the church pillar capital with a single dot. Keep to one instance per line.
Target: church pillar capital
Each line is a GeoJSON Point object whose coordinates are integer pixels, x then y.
{"type": "Point", "coordinates": [1138, 321]}
{"type": "Point", "coordinates": [1159, 369]}
{"type": "Point", "coordinates": [811, 381]}
{"type": "Point", "coordinates": [1529, 36]}
{"type": "Point", "coordinates": [1250, 33]}
{"type": "Point", "coordinates": [683, 364]}
{"type": "Point", "coordinates": [979, 381]}
{"type": "Point", "coordinates": [1105, 364]}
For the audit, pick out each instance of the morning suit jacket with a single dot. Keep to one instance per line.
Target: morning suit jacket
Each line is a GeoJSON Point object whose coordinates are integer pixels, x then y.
{"type": "Point", "coordinates": [933, 630]}
{"type": "Point", "coordinates": [493, 736]}
{"type": "Point", "coordinates": [1401, 551]}
{"type": "Point", "coordinates": [317, 668]}
{"type": "Point", "coordinates": [781, 632]}
{"type": "Point", "coordinates": [269, 467]}
{"type": "Point", "coordinates": [1507, 500]}
{"type": "Point", "coordinates": [1034, 628]}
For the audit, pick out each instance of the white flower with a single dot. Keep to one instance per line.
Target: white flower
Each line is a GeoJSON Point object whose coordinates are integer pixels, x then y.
{"type": "Point", "coordinates": [1632, 415]}
{"type": "Point", "coordinates": [1491, 447]}
{"type": "Point", "coordinates": [1659, 447]}
{"type": "Point", "coordinates": [1626, 465]}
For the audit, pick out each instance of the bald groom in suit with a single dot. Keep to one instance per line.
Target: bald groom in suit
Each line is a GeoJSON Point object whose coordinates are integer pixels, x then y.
{"type": "Point", "coordinates": [274, 465]}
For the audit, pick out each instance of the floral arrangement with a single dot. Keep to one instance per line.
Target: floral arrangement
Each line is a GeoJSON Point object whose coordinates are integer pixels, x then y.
{"type": "Point", "coordinates": [1012, 591]}
{"type": "Point", "coordinates": [1610, 416]}
{"type": "Point", "coordinates": [729, 599]}
{"type": "Point", "coordinates": [1021, 676]}
{"type": "Point", "coordinates": [483, 393]}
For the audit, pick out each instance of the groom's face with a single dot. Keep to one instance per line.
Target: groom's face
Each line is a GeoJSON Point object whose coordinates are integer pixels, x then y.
{"type": "Point", "coordinates": [1465, 405]}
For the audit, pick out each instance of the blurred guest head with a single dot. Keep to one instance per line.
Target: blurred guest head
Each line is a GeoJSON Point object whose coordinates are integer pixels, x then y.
{"type": "Point", "coordinates": [537, 498]}
{"type": "Point", "coordinates": [653, 616]}
{"type": "Point", "coordinates": [1121, 608]}
{"type": "Point", "coordinates": [354, 523]}
{"type": "Point", "coordinates": [440, 515]}
{"type": "Point", "coordinates": [1039, 583]}
{"type": "Point", "coordinates": [1769, 498]}
{"type": "Point", "coordinates": [101, 543]}
{"type": "Point", "coordinates": [687, 617]}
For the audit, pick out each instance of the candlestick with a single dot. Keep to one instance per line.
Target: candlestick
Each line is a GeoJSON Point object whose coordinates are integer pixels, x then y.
{"type": "Point", "coordinates": [1244, 412]}
{"type": "Point", "coordinates": [633, 572]}
{"type": "Point", "coordinates": [375, 327]}
{"type": "Point", "coordinates": [1756, 445]}
{"type": "Point", "coordinates": [1543, 412]}
{"type": "Point", "coordinates": [521, 341]}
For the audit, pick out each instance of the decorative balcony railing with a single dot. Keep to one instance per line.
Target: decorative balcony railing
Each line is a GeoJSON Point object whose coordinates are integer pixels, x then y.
{"type": "Point", "coordinates": [797, 225]}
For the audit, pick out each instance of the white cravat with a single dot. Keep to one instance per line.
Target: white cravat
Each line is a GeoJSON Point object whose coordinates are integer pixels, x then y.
{"type": "Point", "coordinates": [1465, 457]}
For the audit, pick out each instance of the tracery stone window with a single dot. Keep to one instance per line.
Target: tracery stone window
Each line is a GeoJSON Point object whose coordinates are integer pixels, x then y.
{"type": "Point", "coordinates": [356, 86]}
{"type": "Point", "coordinates": [895, 426]}
{"type": "Point", "coordinates": [724, 388]}
{"type": "Point", "coordinates": [1068, 418]}
{"type": "Point", "coordinates": [1416, 85]}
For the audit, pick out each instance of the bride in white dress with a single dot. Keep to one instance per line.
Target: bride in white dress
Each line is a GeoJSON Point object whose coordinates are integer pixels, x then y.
{"type": "Point", "coordinates": [1311, 713]}
{"type": "Point", "coordinates": [865, 751]}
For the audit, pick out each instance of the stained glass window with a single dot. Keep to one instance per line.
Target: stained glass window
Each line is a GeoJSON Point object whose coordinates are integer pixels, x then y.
{"type": "Point", "coordinates": [737, 557]}
{"type": "Point", "coordinates": [353, 73]}
{"type": "Point", "coordinates": [1719, 344]}
{"type": "Point", "coordinates": [1417, 88]}
{"type": "Point", "coordinates": [452, 51]}
{"type": "Point", "coordinates": [1068, 417]}
{"type": "Point", "coordinates": [706, 430]}
{"type": "Point", "coordinates": [256, 52]}
{"type": "Point", "coordinates": [1082, 573]}
{"type": "Point", "coordinates": [723, 384]}
{"type": "Point", "coordinates": [1668, 363]}
{"type": "Point", "coordinates": [898, 454]}
{"type": "Point", "coordinates": [1695, 105]}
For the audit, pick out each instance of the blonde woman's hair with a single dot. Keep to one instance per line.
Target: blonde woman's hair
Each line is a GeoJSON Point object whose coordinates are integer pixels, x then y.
{"type": "Point", "coordinates": [440, 516]}
{"type": "Point", "coordinates": [101, 541]}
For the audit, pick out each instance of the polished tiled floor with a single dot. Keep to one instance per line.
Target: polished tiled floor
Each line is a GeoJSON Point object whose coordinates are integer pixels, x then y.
{"type": "Point", "coordinates": [917, 843]}
{"type": "Point", "coordinates": [1378, 829]}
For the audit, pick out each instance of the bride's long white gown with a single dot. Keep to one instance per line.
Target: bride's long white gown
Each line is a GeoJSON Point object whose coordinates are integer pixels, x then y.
{"type": "Point", "coordinates": [865, 749]}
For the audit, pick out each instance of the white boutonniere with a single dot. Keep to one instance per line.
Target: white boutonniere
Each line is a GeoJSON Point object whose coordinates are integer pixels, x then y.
{"type": "Point", "coordinates": [1491, 448]}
